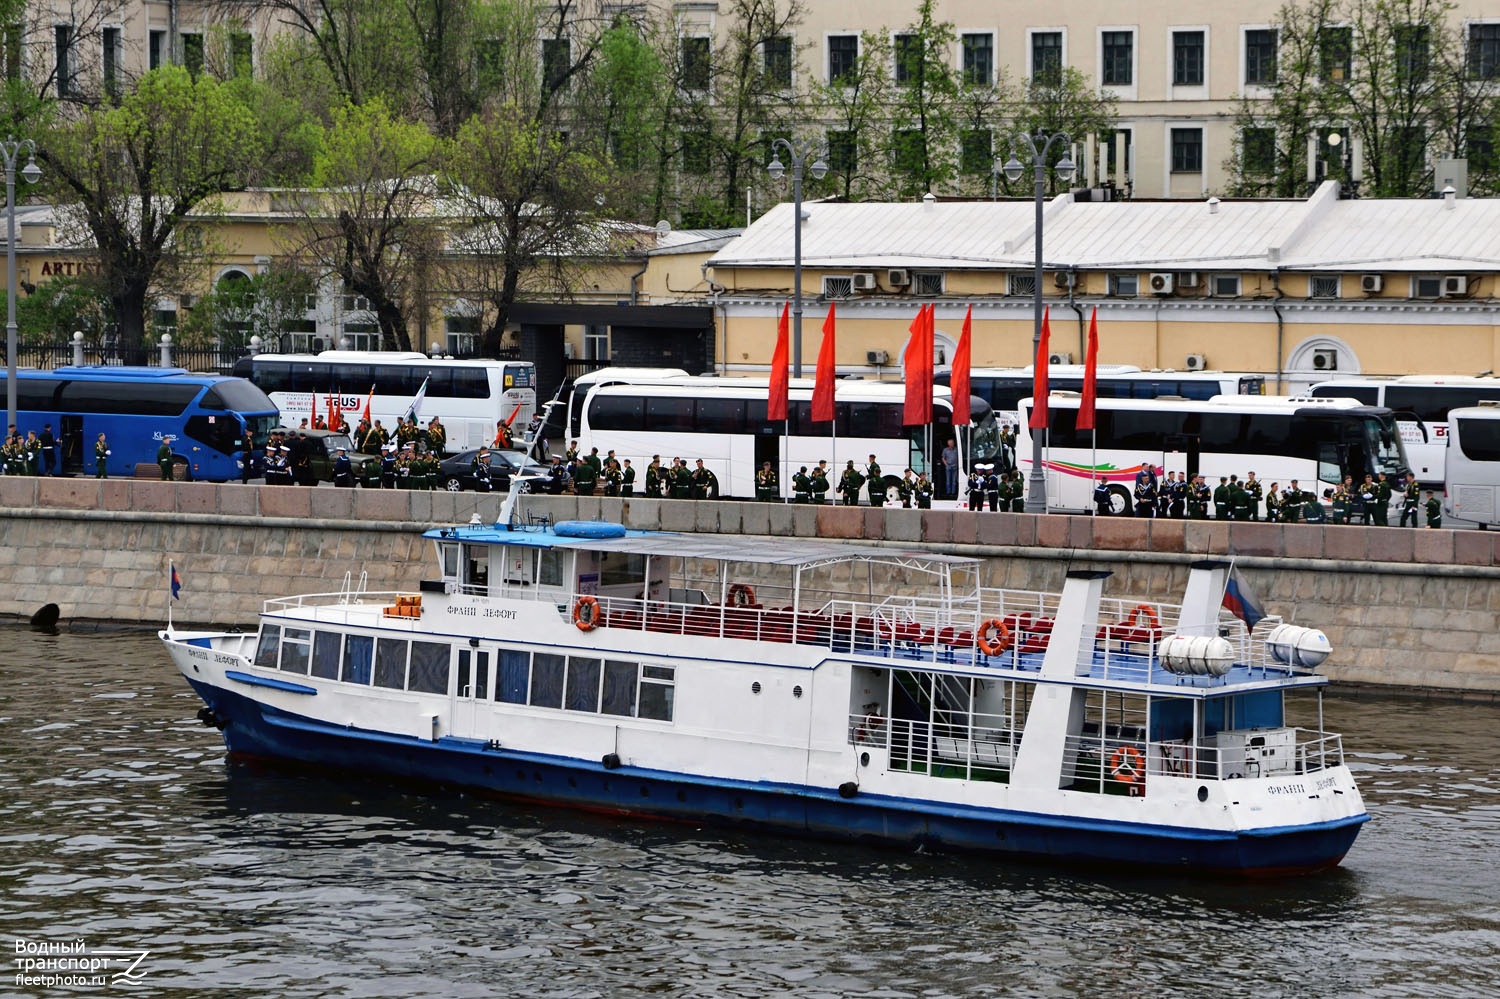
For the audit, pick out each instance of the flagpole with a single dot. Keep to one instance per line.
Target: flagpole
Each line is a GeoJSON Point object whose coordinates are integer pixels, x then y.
{"type": "Point", "coordinates": [171, 571]}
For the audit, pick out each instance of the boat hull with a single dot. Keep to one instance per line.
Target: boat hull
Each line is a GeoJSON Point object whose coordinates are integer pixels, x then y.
{"type": "Point", "coordinates": [253, 729]}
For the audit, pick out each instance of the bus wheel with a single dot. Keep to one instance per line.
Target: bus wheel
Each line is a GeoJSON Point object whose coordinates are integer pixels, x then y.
{"type": "Point", "coordinates": [453, 485]}
{"type": "Point", "coordinates": [1120, 503]}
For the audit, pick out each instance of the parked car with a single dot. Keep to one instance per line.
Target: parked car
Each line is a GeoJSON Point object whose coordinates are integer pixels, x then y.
{"type": "Point", "coordinates": [457, 473]}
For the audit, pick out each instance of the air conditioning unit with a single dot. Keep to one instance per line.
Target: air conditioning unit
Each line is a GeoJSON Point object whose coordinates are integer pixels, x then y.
{"type": "Point", "coordinates": [1188, 279]}
{"type": "Point", "coordinates": [1161, 284]}
{"type": "Point", "coordinates": [1325, 360]}
{"type": "Point", "coordinates": [190, 301]}
{"type": "Point", "coordinates": [864, 281]}
{"type": "Point", "coordinates": [877, 357]}
{"type": "Point", "coordinates": [898, 277]}
{"type": "Point", "coordinates": [1195, 362]}
{"type": "Point", "coordinates": [1455, 284]}
{"type": "Point", "coordinates": [1371, 284]}
{"type": "Point", "coordinates": [1060, 358]}
{"type": "Point", "coordinates": [1065, 279]}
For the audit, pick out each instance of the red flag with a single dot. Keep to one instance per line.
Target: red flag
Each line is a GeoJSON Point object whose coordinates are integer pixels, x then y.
{"type": "Point", "coordinates": [1090, 373]}
{"type": "Point", "coordinates": [918, 364]}
{"type": "Point", "coordinates": [369, 399]}
{"type": "Point", "coordinates": [1039, 377]}
{"type": "Point", "coordinates": [780, 364]}
{"type": "Point", "coordinates": [958, 377]}
{"type": "Point", "coordinates": [335, 413]}
{"type": "Point", "coordinates": [512, 417]}
{"type": "Point", "coordinates": [822, 399]}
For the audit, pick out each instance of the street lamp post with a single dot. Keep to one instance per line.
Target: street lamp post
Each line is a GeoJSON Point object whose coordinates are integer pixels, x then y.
{"type": "Point", "coordinates": [798, 154]}
{"type": "Point", "coordinates": [11, 148]}
{"type": "Point", "coordinates": [1037, 147]}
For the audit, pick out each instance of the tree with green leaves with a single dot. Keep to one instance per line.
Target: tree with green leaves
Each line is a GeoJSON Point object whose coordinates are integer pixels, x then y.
{"type": "Point", "coordinates": [373, 215]}
{"type": "Point", "coordinates": [924, 108]}
{"type": "Point", "coordinates": [131, 175]}
{"type": "Point", "coordinates": [854, 106]}
{"type": "Point", "coordinates": [626, 106]}
{"type": "Point", "coordinates": [1062, 101]}
{"type": "Point", "coordinates": [241, 307]}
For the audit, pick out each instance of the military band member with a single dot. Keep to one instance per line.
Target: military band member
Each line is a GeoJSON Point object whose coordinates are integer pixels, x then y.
{"type": "Point", "coordinates": [875, 482]}
{"type": "Point", "coordinates": [802, 486]}
{"type": "Point", "coordinates": [767, 489]}
{"type": "Point", "coordinates": [164, 461]}
{"type": "Point", "coordinates": [923, 489]}
{"type": "Point", "coordinates": [480, 469]}
{"type": "Point", "coordinates": [627, 480]}
{"type": "Point", "coordinates": [1410, 498]}
{"type": "Point", "coordinates": [101, 452]}
{"type": "Point", "coordinates": [849, 484]}
{"type": "Point", "coordinates": [343, 470]}
{"type": "Point", "coordinates": [819, 479]}
{"type": "Point", "coordinates": [1434, 510]}
{"type": "Point", "coordinates": [653, 477]}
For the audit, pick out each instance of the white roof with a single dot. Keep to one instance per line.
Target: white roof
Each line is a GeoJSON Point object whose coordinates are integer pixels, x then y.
{"type": "Point", "coordinates": [1426, 234]}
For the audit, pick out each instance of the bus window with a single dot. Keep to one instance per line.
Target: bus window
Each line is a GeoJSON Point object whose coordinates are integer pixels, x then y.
{"type": "Point", "coordinates": [222, 433]}
{"type": "Point", "coordinates": [1479, 440]}
{"type": "Point", "coordinates": [674, 416]}
{"type": "Point", "coordinates": [722, 416]}
{"type": "Point", "coordinates": [618, 412]}
{"type": "Point", "coordinates": [1144, 429]}
{"type": "Point", "coordinates": [142, 398]}
{"type": "Point", "coordinates": [472, 383]}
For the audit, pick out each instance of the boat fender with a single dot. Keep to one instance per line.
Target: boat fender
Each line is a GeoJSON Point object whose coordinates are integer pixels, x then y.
{"type": "Point", "coordinates": [996, 645]}
{"type": "Point", "coordinates": [586, 613]}
{"type": "Point", "coordinates": [848, 789]}
{"type": "Point", "coordinates": [45, 619]}
{"type": "Point", "coordinates": [1125, 765]}
{"type": "Point", "coordinates": [592, 529]}
{"type": "Point", "coordinates": [611, 761]}
{"type": "Point", "coordinates": [741, 595]}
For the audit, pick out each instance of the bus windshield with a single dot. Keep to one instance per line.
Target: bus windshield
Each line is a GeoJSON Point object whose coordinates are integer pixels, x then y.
{"type": "Point", "coordinates": [984, 435]}
{"type": "Point", "coordinates": [1384, 442]}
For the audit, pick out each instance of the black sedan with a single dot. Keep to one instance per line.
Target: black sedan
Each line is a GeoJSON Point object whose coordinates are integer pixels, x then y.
{"type": "Point", "coordinates": [457, 473]}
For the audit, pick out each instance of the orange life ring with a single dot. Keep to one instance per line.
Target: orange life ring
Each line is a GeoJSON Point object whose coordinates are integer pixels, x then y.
{"type": "Point", "coordinates": [993, 646]}
{"type": "Point", "coordinates": [1125, 765]}
{"type": "Point", "coordinates": [741, 595]}
{"type": "Point", "coordinates": [1143, 611]}
{"type": "Point", "coordinates": [586, 622]}
{"type": "Point", "coordinates": [869, 727]}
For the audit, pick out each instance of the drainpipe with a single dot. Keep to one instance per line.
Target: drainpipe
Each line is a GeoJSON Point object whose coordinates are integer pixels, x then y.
{"type": "Point", "coordinates": [1083, 347]}
{"type": "Point", "coordinates": [635, 291]}
{"type": "Point", "coordinates": [1280, 328]}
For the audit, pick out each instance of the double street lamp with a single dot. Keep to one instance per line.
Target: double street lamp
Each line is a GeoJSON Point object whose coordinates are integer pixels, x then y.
{"type": "Point", "coordinates": [1036, 147]}
{"type": "Point", "coordinates": [11, 149]}
{"type": "Point", "coordinates": [798, 154]}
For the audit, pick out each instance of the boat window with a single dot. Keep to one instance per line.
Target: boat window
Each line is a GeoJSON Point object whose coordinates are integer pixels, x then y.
{"type": "Point", "coordinates": [619, 688]}
{"type": "Point", "coordinates": [482, 675]}
{"type": "Point", "coordinates": [656, 692]}
{"type": "Point", "coordinates": [583, 685]}
{"type": "Point", "coordinates": [295, 648]}
{"type": "Point", "coordinates": [359, 659]}
{"type": "Point", "coordinates": [511, 681]}
{"type": "Point", "coordinates": [429, 667]}
{"type": "Point", "coordinates": [270, 645]}
{"type": "Point", "coordinates": [449, 554]}
{"type": "Point", "coordinates": [477, 568]}
{"type": "Point", "coordinates": [550, 567]}
{"type": "Point", "coordinates": [390, 663]}
{"type": "Point", "coordinates": [547, 680]}
{"type": "Point", "coordinates": [518, 564]}
{"type": "Point", "coordinates": [622, 568]}
{"type": "Point", "coordinates": [325, 660]}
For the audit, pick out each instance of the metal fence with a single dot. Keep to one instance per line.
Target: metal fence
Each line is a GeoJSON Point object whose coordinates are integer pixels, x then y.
{"type": "Point", "coordinates": [91, 352]}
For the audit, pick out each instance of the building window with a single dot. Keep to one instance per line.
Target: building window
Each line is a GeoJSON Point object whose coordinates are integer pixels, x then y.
{"type": "Point", "coordinates": [778, 60]}
{"type": "Point", "coordinates": [1020, 285]}
{"type": "Point", "coordinates": [1116, 69]}
{"type": "Point", "coordinates": [1410, 148]}
{"type": "Point", "coordinates": [241, 53]}
{"type": "Point", "coordinates": [1046, 56]}
{"type": "Point", "coordinates": [697, 147]}
{"type": "Point", "coordinates": [557, 57]}
{"type": "Point", "coordinates": [1260, 57]}
{"type": "Point", "coordinates": [843, 152]}
{"type": "Point", "coordinates": [1335, 53]}
{"type": "Point", "coordinates": [909, 148]}
{"type": "Point", "coordinates": [62, 35]}
{"type": "Point", "coordinates": [909, 56]}
{"type": "Point", "coordinates": [596, 343]}
{"type": "Point", "coordinates": [927, 282]}
{"type": "Point", "coordinates": [1188, 52]}
{"type": "Point", "coordinates": [1484, 51]}
{"type": "Point", "coordinates": [1226, 285]}
{"type": "Point", "coordinates": [838, 287]}
{"type": "Point", "coordinates": [463, 335]}
{"type": "Point", "coordinates": [979, 59]}
{"type": "Point", "coordinates": [192, 52]}
{"type": "Point", "coordinates": [976, 151]}
{"type": "Point", "coordinates": [696, 69]}
{"type": "Point", "coordinates": [1480, 150]}
{"type": "Point", "coordinates": [1109, 154]}
{"type": "Point", "coordinates": [1124, 285]}
{"type": "Point", "coordinates": [1322, 286]}
{"type": "Point", "coordinates": [1427, 287]}
{"type": "Point", "coordinates": [1413, 47]}
{"type": "Point", "coordinates": [1187, 150]}
{"type": "Point", "coordinates": [156, 49]}
{"type": "Point", "coordinates": [110, 68]}
{"type": "Point", "coordinates": [843, 58]}
{"type": "Point", "coordinates": [1258, 151]}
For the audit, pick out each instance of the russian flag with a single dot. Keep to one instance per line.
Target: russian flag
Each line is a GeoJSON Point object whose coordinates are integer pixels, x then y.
{"type": "Point", "coordinates": [1240, 601]}
{"type": "Point", "coordinates": [176, 582]}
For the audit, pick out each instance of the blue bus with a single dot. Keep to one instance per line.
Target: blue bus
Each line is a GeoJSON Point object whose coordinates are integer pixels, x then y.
{"type": "Point", "coordinates": [206, 418]}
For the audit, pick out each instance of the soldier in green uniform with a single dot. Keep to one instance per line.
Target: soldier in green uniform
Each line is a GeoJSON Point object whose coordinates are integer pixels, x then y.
{"type": "Point", "coordinates": [705, 482]}
{"type": "Point", "coordinates": [1291, 503]}
{"type": "Point", "coordinates": [1382, 511]}
{"type": "Point", "coordinates": [1434, 510]}
{"type": "Point", "coordinates": [802, 486]}
{"type": "Point", "coordinates": [850, 483]}
{"type": "Point", "coordinates": [585, 478]}
{"type": "Point", "coordinates": [595, 462]}
{"type": "Point", "coordinates": [1340, 501]}
{"type": "Point", "coordinates": [1253, 490]}
{"type": "Point", "coordinates": [571, 453]}
{"type": "Point", "coordinates": [1197, 499]}
{"type": "Point", "coordinates": [406, 432]}
{"type": "Point", "coordinates": [1221, 499]}
{"type": "Point", "coordinates": [1410, 498]}
{"type": "Point", "coordinates": [31, 452]}
{"type": "Point", "coordinates": [682, 480]}
{"type": "Point", "coordinates": [767, 489]}
{"type": "Point", "coordinates": [164, 461]}
{"type": "Point", "coordinates": [653, 477]}
{"type": "Point", "coordinates": [369, 472]}
{"type": "Point", "coordinates": [1239, 500]}
{"type": "Point", "coordinates": [437, 436]}
{"type": "Point", "coordinates": [627, 480]}
{"type": "Point", "coordinates": [613, 476]}
{"type": "Point", "coordinates": [819, 479]}
{"type": "Point", "coordinates": [923, 490]}
{"type": "Point", "coordinates": [875, 482]}
{"type": "Point", "coordinates": [906, 488]}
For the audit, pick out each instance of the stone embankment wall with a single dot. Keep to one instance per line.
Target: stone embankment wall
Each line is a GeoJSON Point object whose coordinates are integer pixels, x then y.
{"type": "Point", "coordinates": [1403, 608]}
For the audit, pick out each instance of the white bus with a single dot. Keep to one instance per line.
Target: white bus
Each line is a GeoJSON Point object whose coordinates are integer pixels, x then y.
{"type": "Point", "coordinates": [723, 421]}
{"type": "Point", "coordinates": [1421, 404]}
{"type": "Point", "coordinates": [469, 396]}
{"type": "Point", "coordinates": [1315, 441]}
{"type": "Point", "coordinates": [1004, 388]}
{"type": "Point", "coordinates": [1472, 491]}
{"type": "Point", "coordinates": [584, 383]}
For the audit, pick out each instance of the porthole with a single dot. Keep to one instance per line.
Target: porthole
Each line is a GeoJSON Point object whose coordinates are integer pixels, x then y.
{"type": "Point", "coordinates": [797, 691]}
{"type": "Point", "coordinates": [755, 687]}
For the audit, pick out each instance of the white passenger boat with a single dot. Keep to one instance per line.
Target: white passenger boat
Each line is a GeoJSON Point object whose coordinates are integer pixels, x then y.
{"type": "Point", "coordinates": [819, 688]}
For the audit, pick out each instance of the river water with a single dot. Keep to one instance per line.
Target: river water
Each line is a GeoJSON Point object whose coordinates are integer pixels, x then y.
{"type": "Point", "coordinates": [122, 824]}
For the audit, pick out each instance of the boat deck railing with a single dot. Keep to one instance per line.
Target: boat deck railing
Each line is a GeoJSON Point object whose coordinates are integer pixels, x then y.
{"type": "Point", "coordinates": [1111, 762]}
{"type": "Point", "coordinates": [350, 608]}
